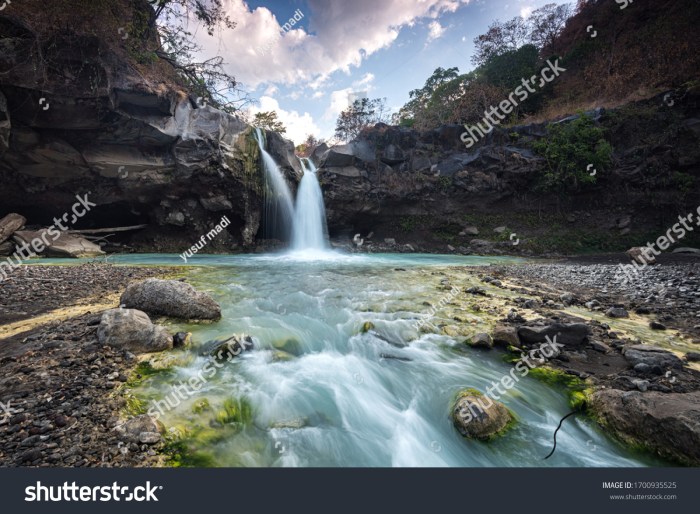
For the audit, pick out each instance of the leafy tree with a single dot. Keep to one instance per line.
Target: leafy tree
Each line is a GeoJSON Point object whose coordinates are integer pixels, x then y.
{"type": "Point", "coordinates": [362, 114]}
{"type": "Point", "coordinates": [308, 146]}
{"type": "Point", "coordinates": [500, 38]}
{"type": "Point", "coordinates": [420, 97]}
{"type": "Point", "coordinates": [547, 22]}
{"type": "Point", "coordinates": [268, 121]}
{"type": "Point", "coordinates": [572, 152]}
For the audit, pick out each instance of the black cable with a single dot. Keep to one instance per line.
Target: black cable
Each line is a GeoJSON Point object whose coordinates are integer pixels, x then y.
{"type": "Point", "coordinates": [557, 430]}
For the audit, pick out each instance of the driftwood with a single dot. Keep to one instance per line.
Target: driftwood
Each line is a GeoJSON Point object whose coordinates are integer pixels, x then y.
{"type": "Point", "coordinates": [106, 230]}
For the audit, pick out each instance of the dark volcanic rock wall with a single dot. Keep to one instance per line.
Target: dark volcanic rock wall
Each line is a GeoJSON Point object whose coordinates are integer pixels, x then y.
{"type": "Point", "coordinates": [75, 117]}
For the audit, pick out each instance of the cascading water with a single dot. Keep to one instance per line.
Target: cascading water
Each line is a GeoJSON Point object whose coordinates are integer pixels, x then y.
{"type": "Point", "coordinates": [309, 231]}
{"type": "Point", "coordinates": [279, 206]}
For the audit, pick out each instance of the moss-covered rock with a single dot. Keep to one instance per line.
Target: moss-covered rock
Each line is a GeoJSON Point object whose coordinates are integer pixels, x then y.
{"type": "Point", "coordinates": [477, 416]}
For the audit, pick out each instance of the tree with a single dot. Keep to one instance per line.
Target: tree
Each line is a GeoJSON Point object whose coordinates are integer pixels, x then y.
{"type": "Point", "coordinates": [500, 38]}
{"type": "Point", "coordinates": [175, 44]}
{"type": "Point", "coordinates": [547, 22]}
{"type": "Point", "coordinates": [362, 114]}
{"type": "Point", "coordinates": [308, 146]}
{"type": "Point", "coordinates": [420, 97]}
{"type": "Point", "coordinates": [268, 121]}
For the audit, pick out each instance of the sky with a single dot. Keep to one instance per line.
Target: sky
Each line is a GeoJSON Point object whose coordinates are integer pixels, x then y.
{"type": "Point", "coordinates": [307, 72]}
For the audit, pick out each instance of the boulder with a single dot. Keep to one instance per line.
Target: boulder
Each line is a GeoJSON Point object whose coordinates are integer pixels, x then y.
{"type": "Point", "coordinates": [637, 255]}
{"type": "Point", "coordinates": [143, 429]}
{"type": "Point", "coordinates": [170, 298]}
{"type": "Point", "coordinates": [7, 248]}
{"type": "Point", "coordinates": [339, 157]}
{"type": "Point", "coordinates": [469, 231]}
{"type": "Point", "coordinates": [651, 355]}
{"type": "Point", "coordinates": [573, 334]}
{"type": "Point", "coordinates": [478, 416]}
{"type": "Point", "coordinates": [65, 245]}
{"type": "Point", "coordinates": [216, 203]}
{"type": "Point", "coordinates": [666, 423]}
{"type": "Point", "coordinates": [692, 356]}
{"type": "Point", "coordinates": [506, 336]}
{"type": "Point", "coordinates": [10, 224]}
{"type": "Point", "coordinates": [229, 348]}
{"type": "Point", "coordinates": [480, 340]}
{"type": "Point", "coordinates": [182, 339]}
{"type": "Point", "coordinates": [132, 330]}
{"type": "Point", "coordinates": [617, 312]}
{"type": "Point", "coordinates": [392, 154]}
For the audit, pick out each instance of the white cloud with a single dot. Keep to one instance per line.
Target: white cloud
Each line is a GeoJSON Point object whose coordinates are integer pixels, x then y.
{"type": "Point", "coordinates": [298, 125]}
{"type": "Point", "coordinates": [341, 35]}
{"type": "Point", "coordinates": [435, 30]}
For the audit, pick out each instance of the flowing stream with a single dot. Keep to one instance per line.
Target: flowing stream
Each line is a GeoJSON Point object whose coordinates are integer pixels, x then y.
{"type": "Point", "coordinates": [324, 388]}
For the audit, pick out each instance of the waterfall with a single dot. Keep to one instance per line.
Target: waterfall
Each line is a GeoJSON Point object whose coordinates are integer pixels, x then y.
{"type": "Point", "coordinates": [309, 231]}
{"type": "Point", "coordinates": [279, 206]}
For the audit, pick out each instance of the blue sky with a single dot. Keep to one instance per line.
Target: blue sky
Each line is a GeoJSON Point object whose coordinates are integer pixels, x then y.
{"type": "Point", "coordinates": [382, 47]}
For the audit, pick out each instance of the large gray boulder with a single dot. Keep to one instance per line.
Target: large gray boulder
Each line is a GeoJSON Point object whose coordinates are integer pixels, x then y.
{"type": "Point", "coordinates": [65, 245]}
{"type": "Point", "coordinates": [572, 334]}
{"type": "Point", "coordinates": [132, 330]}
{"type": "Point", "coordinates": [10, 224]}
{"type": "Point", "coordinates": [651, 356]}
{"type": "Point", "coordinates": [170, 298]}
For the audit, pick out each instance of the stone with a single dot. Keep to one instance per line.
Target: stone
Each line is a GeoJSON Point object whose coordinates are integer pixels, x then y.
{"type": "Point", "coordinates": [655, 325]}
{"type": "Point", "coordinates": [225, 350]}
{"type": "Point", "coordinates": [666, 423]}
{"type": "Point", "coordinates": [692, 357]}
{"type": "Point", "coordinates": [481, 340]}
{"type": "Point", "coordinates": [149, 437]}
{"type": "Point", "coordinates": [143, 424]}
{"type": "Point", "coordinates": [471, 230]}
{"type": "Point", "coordinates": [638, 255]}
{"type": "Point", "coordinates": [651, 356]}
{"type": "Point", "coordinates": [182, 339]}
{"type": "Point", "coordinates": [617, 312]}
{"type": "Point", "coordinates": [216, 203]}
{"type": "Point", "coordinates": [170, 298]}
{"type": "Point", "coordinates": [132, 330]}
{"type": "Point", "coordinates": [478, 416]}
{"type": "Point", "coordinates": [505, 335]}
{"type": "Point", "coordinates": [60, 244]}
{"type": "Point", "coordinates": [390, 241]}
{"type": "Point", "coordinates": [573, 334]}
{"type": "Point", "coordinates": [567, 298]}
{"type": "Point", "coordinates": [599, 347]}
{"type": "Point", "coordinates": [642, 385]}
{"type": "Point", "coordinates": [499, 230]}
{"type": "Point", "coordinates": [10, 224]}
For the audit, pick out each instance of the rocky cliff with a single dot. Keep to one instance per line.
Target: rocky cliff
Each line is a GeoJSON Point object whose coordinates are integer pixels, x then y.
{"type": "Point", "coordinates": [77, 115]}
{"type": "Point", "coordinates": [428, 190]}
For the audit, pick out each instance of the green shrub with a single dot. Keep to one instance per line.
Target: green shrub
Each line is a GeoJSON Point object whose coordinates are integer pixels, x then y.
{"type": "Point", "coordinates": [572, 152]}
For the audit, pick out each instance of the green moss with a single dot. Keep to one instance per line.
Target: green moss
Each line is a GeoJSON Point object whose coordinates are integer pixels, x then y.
{"type": "Point", "coordinates": [179, 455]}
{"type": "Point", "coordinates": [367, 326]}
{"type": "Point", "coordinates": [577, 390]}
{"type": "Point", "coordinates": [134, 406]}
{"type": "Point", "coordinates": [142, 372]}
{"type": "Point", "coordinates": [235, 411]}
{"type": "Point", "coordinates": [201, 406]}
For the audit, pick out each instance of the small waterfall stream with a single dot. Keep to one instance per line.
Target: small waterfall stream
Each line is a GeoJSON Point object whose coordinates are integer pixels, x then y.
{"type": "Point", "coordinates": [309, 230]}
{"type": "Point", "coordinates": [279, 205]}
